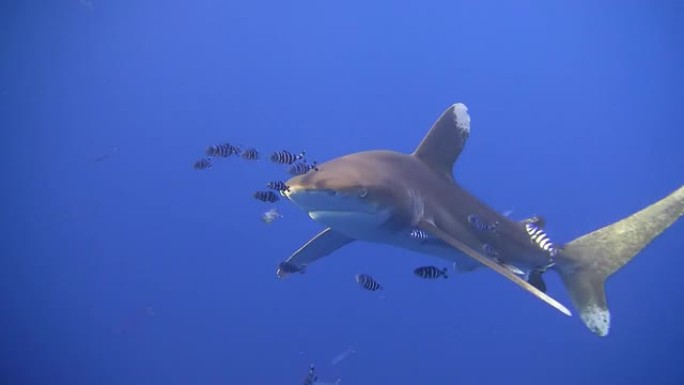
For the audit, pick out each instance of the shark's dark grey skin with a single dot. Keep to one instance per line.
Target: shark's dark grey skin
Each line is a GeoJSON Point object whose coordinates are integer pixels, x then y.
{"type": "Point", "coordinates": [381, 196]}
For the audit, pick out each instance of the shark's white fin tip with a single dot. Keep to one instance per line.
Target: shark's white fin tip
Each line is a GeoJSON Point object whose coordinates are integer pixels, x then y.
{"type": "Point", "coordinates": [596, 319]}
{"type": "Point", "coordinates": [461, 116]}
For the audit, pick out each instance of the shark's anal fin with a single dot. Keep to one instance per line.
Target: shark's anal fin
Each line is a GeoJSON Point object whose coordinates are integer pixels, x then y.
{"type": "Point", "coordinates": [445, 141]}
{"type": "Point", "coordinates": [318, 247]}
{"type": "Point", "coordinates": [434, 230]}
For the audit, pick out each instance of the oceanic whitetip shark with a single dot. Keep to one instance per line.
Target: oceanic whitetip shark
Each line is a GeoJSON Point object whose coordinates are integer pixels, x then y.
{"type": "Point", "coordinates": [382, 196]}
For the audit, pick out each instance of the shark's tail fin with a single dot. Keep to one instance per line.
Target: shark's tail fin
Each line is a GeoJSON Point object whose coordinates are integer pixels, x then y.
{"type": "Point", "coordinates": [590, 259]}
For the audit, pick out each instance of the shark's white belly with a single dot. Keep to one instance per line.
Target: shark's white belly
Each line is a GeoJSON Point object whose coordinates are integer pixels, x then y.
{"type": "Point", "coordinates": [367, 226]}
{"type": "Point", "coordinates": [355, 224]}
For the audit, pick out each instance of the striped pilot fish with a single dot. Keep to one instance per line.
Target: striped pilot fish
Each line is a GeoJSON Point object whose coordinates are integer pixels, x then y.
{"type": "Point", "coordinates": [302, 167]}
{"type": "Point", "coordinates": [286, 157]}
{"type": "Point", "coordinates": [419, 235]}
{"type": "Point", "coordinates": [310, 378]}
{"type": "Point", "coordinates": [491, 252]}
{"type": "Point", "coordinates": [250, 154]}
{"type": "Point", "coordinates": [278, 186]}
{"type": "Point", "coordinates": [430, 272]}
{"type": "Point", "coordinates": [480, 224]}
{"type": "Point", "coordinates": [367, 282]}
{"type": "Point", "coordinates": [223, 150]}
{"type": "Point", "coordinates": [266, 196]}
{"type": "Point", "coordinates": [539, 237]}
{"type": "Point", "coordinates": [202, 164]}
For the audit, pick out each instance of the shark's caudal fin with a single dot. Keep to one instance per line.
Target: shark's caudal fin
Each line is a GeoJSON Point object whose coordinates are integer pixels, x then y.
{"type": "Point", "coordinates": [590, 259]}
{"type": "Point", "coordinates": [445, 140]}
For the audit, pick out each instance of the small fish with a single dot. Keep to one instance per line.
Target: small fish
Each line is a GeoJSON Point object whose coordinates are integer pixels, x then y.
{"type": "Point", "coordinates": [481, 225]}
{"type": "Point", "coordinates": [286, 157]}
{"type": "Point", "coordinates": [266, 196]}
{"type": "Point", "coordinates": [511, 268]}
{"type": "Point", "coordinates": [223, 150]}
{"type": "Point", "coordinates": [302, 167]}
{"type": "Point", "coordinates": [278, 186]}
{"type": "Point", "coordinates": [419, 235]}
{"type": "Point", "coordinates": [539, 237]}
{"type": "Point", "coordinates": [310, 378]}
{"type": "Point", "coordinates": [110, 153]}
{"type": "Point", "coordinates": [202, 164]}
{"type": "Point", "coordinates": [430, 272]}
{"type": "Point", "coordinates": [490, 251]}
{"type": "Point", "coordinates": [250, 154]}
{"type": "Point", "coordinates": [367, 282]}
{"type": "Point", "coordinates": [270, 216]}
{"type": "Point", "coordinates": [135, 319]}
{"type": "Point", "coordinates": [291, 268]}
{"type": "Point", "coordinates": [340, 357]}
{"type": "Point", "coordinates": [535, 220]}
{"type": "Point", "coordinates": [338, 382]}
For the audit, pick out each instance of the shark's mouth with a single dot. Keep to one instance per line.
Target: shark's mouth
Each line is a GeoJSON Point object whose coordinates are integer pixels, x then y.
{"type": "Point", "coordinates": [332, 201]}
{"type": "Point", "coordinates": [359, 217]}
{"type": "Point", "coordinates": [356, 224]}
{"type": "Point", "coordinates": [350, 213]}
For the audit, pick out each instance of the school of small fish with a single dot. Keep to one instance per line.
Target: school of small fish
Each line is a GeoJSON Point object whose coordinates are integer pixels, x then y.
{"type": "Point", "coordinates": [296, 164]}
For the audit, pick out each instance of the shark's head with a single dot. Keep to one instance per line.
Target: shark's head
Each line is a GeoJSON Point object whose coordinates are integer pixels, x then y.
{"type": "Point", "coordinates": [353, 195]}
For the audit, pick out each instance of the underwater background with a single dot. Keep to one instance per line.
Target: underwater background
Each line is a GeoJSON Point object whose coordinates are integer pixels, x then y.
{"type": "Point", "coordinates": [122, 264]}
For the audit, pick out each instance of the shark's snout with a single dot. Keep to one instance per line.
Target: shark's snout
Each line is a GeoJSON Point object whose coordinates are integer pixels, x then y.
{"type": "Point", "coordinates": [313, 199]}
{"type": "Point", "coordinates": [349, 212]}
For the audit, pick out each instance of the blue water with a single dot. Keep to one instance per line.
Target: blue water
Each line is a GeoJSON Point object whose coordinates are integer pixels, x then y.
{"type": "Point", "coordinates": [139, 269]}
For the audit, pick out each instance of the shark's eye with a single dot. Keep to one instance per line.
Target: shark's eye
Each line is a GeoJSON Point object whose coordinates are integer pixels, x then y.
{"type": "Point", "coordinates": [363, 193]}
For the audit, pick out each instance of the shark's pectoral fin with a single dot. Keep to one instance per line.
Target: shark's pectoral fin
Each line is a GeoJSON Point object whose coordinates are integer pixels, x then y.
{"type": "Point", "coordinates": [436, 231]}
{"type": "Point", "coordinates": [446, 139]}
{"type": "Point", "coordinates": [318, 247]}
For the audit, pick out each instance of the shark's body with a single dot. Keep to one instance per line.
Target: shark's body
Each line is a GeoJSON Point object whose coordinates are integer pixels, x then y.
{"type": "Point", "coordinates": [382, 196]}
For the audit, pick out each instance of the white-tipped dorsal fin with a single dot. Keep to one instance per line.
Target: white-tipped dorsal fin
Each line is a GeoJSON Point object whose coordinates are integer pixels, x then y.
{"type": "Point", "coordinates": [444, 142]}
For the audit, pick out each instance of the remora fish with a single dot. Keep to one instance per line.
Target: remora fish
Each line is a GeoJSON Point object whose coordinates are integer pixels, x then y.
{"type": "Point", "coordinates": [378, 196]}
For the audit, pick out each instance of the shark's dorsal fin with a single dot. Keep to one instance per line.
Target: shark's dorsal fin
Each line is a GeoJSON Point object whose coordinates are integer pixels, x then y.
{"type": "Point", "coordinates": [444, 142]}
{"type": "Point", "coordinates": [436, 231]}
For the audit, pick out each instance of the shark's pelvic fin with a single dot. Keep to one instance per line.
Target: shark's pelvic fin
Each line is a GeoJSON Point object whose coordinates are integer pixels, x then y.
{"type": "Point", "coordinates": [590, 259]}
{"type": "Point", "coordinates": [318, 247]}
{"type": "Point", "coordinates": [444, 142]}
{"type": "Point", "coordinates": [434, 230]}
